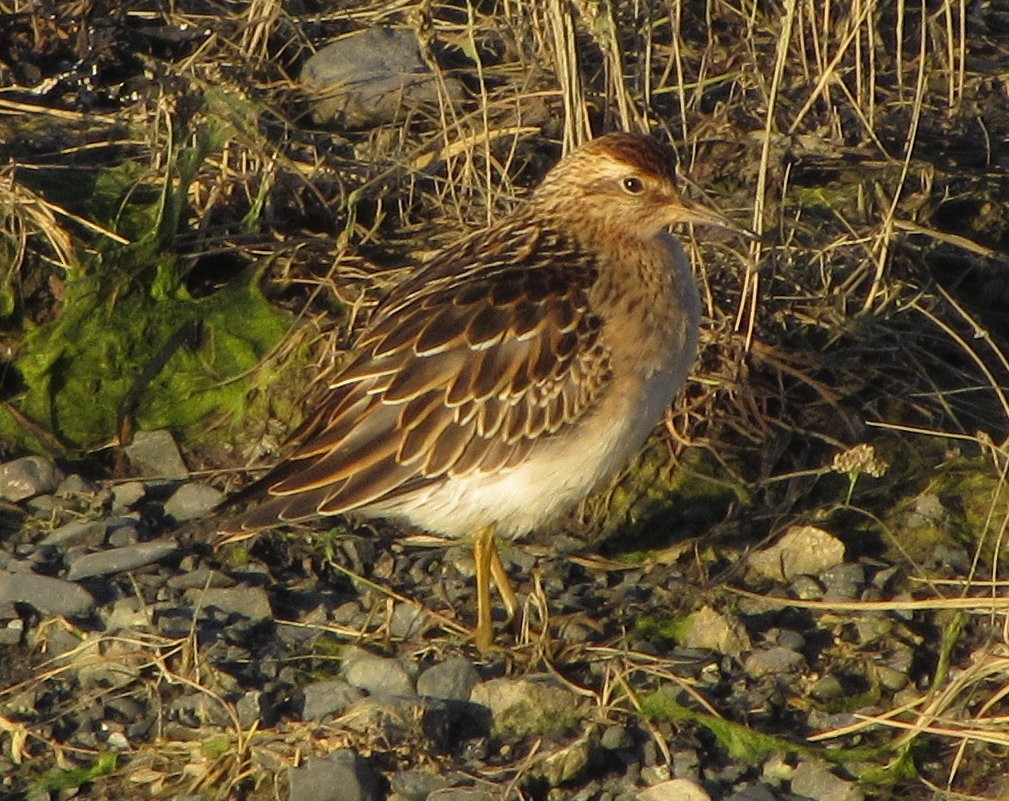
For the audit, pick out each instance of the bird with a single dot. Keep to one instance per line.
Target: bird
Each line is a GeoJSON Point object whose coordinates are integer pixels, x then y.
{"type": "Point", "coordinates": [513, 373]}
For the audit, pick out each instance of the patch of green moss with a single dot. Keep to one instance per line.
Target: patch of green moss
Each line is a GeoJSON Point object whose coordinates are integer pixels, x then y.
{"type": "Point", "coordinates": [60, 780]}
{"type": "Point", "coordinates": [669, 630]}
{"type": "Point", "coordinates": [657, 499]}
{"type": "Point", "coordinates": [130, 345]}
{"type": "Point", "coordinates": [216, 747]}
{"type": "Point", "coordinates": [961, 505]}
{"type": "Point", "coordinates": [751, 747]}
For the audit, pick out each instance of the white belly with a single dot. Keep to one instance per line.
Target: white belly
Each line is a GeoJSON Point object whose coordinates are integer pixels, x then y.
{"type": "Point", "coordinates": [559, 473]}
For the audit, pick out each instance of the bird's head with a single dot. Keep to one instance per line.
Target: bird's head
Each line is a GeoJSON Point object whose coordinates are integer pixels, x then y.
{"type": "Point", "coordinates": [625, 183]}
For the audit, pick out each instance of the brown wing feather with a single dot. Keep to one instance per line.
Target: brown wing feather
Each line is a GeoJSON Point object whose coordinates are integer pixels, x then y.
{"type": "Point", "coordinates": [489, 347]}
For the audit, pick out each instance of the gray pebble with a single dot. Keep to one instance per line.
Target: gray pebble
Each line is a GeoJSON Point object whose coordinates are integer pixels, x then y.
{"type": "Point", "coordinates": [200, 578]}
{"type": "Point", "coordinates": [196, 710]}
{"type": "Point", "coordinates": [416, 785]}
{"type": "Point", "coordinates": [398, 718]}
{"type": "Point", "coordinates": [813, 779]}
{"type": "Point", "coordinates": [250, 708]}
{"type": "Point", "coordinates": [371, 78]}
{"type": "Point", "coordinates": [127, 494]}
{"type": "Point", "coordinates": [11, 632]}
{"type": "Point", "coordinates": [408, 620]}
{"type": "Point", "coordinates": [124, 535]}
{"type": "Point", "coordinates": [774, 660]}
{"type": "Point", "coordinates": [755, 792]}
{"type": "Point", "coordinates": [75, 484]}
{"type": "Point", "coordinates": [827, 688]}
{"type": "Point", "coordinates": [806, 588]}
{"type": "Point", "coordinates": [191, 501]}
{"type": "Point", "coordinates": [454, 679]}
{"type": "Point", "coordinates": [81, 532]}
{"type": "Point", "coordinates": [529, 706]}
{"type": "Point", "coordinates": [378, 675]}
{"type": "Point", "coordinates": [892, 680]}
{"type": "Point", "coordinates": [789, 638]}
{"type": "Point", "coordinates": [42, 505]}
{"type": "Point", "coordinates": [118, 560]}
{"type": "Point", "coordinates": [324, 698]}
{"type": "Point", "coordinates": [843, 582]}
{"type": "Point", "coordinates": [127, 613]}
{"type": "Point", "coordinates": [45, 593]}
{"type": "Point", "coordinates": [565, 764]}
{"type": "Point", "coordinates": [28, 477]}
{"type": "Point", "coordinates": [154, 454]}
{"type": "Point", "coordinates": [615, 738]}
{"type": "Point", "coordinates": [251, 604]}
{"type": "Point", "coordinates": [687, 764]}
{"type": "Point", "coordinates": [339, 776]}
{"type": "Point", "coordinates": [174, 621]}
{"type": "Point", "coordinates": [928, 511]}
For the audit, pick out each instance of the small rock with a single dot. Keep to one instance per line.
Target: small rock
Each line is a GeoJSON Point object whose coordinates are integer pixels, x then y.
{"type": "Point", "coordinates": [154, 454]}
{"type": "Point", "coordinates": [686, 764]}
{"type": "Point", "coordinates": [416, 785]}
{"type": "Point", "coordinates": [521, 707]}
{"type": "Point", "coordinates": [397, 718]}
{"type": "Point", "coordinates": [200, 578]}
{"type": "Point", "coordinates": [174, 621]}
{"type": "Point", "coordinates": [564, 765]}
{"type": "Point", "coordinates": [323, 698]}
{"type": "Point", "coordinates": [890, 679]}
{"type": "Point", "coordinates": [408, 620]}
{"type": "Point", "coordinates": [247, 603]}
{"type": "Point", "coordinates": [616, 738]}
{"type": "Point", "coordinates": [86, 533]}
{"type": "Point", "coordinates": [711, 630]}
{"type": "Point", "coordinates": [47, 594]}
{"type": "Point", "coordinates": [75, 485]}
{"type": "Point", "coordinates": [755, 792]}
{"type": "Point", "coordinates": [802, 550]}
{"type": "Point", "coordinates": [101, 665]}
{"type": "Point", "coordinates": [674, 790]}
{"type": "Point", "coordinates": [118, 560]}
{"type": "Point", "coordinates": [806, 588]}
{"type": "Point", "coordinates": [117, 741]}
{"type": "Point", "coordinates": [11, 631]}
{"type": "Point", "coordinates": [191, 501]}
{"type": "Point", "coordinates": [339, 776]}
{"type": "Point", "coordinates": [378, 675]}
{"type": "Point", "coordinates": [126, 494]}
{"type": "Point", "coordinates": [370, 78]}
{"type": "Point", "coordinates": [843, 582]}
{"type": "Point", "coordinates": [27, 477]}
{"type": "Point", "coordinates": [873, 628]}
{"type": "Point", "coordinates": [196, 710]}
{"type": "Point", "coordinates": [127, 613]}
{"type": "Point", "coordinates": [250, 708]}
{"type": "Point", "coordinates": [123, 534]}
{"type": "Point", "coordinates": [788, 638]}
{"type": "Point", "coordinates": [827, 688]}
{"type": "Point", "coordinates": [813, 779]}
{"type": "Point", "coordinates": [774, 660]}
{"type": "Point", "coordinates": [928, 511]}
{"type": "Point", "coordinates": [454, 679]}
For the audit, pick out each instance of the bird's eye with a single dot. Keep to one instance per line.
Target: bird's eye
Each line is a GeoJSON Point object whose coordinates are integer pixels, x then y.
{"type": "Point", "coordinates": [632, 185]}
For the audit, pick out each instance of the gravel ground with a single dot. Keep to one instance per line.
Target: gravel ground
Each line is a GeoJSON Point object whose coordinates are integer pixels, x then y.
{"type": "Point", "coordinates": [859, 652]}
{"type": "Point", "coordinates": [137, 660]}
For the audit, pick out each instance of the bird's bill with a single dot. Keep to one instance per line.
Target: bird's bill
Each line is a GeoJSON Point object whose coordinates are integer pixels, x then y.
{"type": "Point", "coordinates": [690, 211]}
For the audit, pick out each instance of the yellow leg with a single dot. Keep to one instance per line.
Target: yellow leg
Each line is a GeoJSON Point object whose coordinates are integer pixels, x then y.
{"type": "Point", "coordinates": [484, 555]}
{"type": "Point", "coordinates": [503, 585]}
